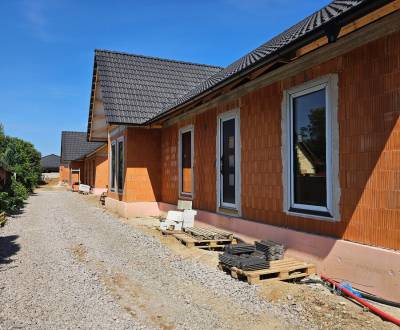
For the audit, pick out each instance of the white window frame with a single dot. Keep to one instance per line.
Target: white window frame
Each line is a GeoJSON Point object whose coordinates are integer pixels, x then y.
{"type": "Point", "coordinates": [331, 211]}
{"type": "Point", "coordinates": [120, 139]}
{"type": "Point", "coordinates": [112, 189]}
{"type": "Point", "coordinates": [189, 128]}
{"type": "Point", "coordinates": [233, 114]}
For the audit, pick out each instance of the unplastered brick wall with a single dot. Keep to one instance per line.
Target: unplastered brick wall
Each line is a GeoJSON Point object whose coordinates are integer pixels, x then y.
{"type": "Point", "coordinates": [369, 134]}
{"type": "Point", "coordinates": [96, 169]}
{"type": "Point", "coordinates": [142, 168]}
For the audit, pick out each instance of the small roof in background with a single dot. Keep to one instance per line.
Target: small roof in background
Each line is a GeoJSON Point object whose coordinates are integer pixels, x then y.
{"type": "Point", "coordinates": [136, 88]}
{"type": "Point", "coordinates": [74, 146]}
{"type": "Point", "coordinates": [50, 161]}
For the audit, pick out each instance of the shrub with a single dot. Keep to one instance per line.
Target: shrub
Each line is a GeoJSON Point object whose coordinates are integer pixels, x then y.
{"type": "Point", "coordinates": [21, 158]}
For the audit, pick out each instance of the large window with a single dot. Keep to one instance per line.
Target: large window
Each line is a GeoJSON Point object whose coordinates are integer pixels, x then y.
{"type": "Point", "coordinates": [113, 167]}
{"type": "Point", "coordinates": [311, 163]}
{"type": "Point", "coordinates": [186, 161]}
{"type": "Point", "coordinates": [117, 165]}
{"type": "Point", "coordinates": [120, 165]}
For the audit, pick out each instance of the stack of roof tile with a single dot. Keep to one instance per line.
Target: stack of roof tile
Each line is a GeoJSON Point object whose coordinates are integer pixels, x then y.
{"type": "Point", "coordinates": [271, 249]}
{"type": "Point", "coordinates": [253, 261]}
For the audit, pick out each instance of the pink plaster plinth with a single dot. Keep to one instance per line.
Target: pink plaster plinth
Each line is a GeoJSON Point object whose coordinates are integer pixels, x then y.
{"type": "Point", "coordinates": [98, 191]}
{"type": "Point", "coordinates": [136, 209]}
{"type": "Point", "coordinates": [367, 268]}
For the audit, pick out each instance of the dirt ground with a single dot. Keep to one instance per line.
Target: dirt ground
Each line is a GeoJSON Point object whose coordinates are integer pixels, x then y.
{"type": "Point", "coordinates": [66, 262]}
{"type": "Point", "coordinates": [321, 306]}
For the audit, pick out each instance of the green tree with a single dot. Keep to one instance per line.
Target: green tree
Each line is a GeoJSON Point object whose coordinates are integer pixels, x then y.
{"type": "Point", "coordinates": [19, 157]}
{"type": "Point", "coordinates": [23, 159]}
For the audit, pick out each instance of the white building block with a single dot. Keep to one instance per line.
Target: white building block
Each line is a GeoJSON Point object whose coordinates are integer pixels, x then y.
{"type": "Point", "coordinates": [188, 218]}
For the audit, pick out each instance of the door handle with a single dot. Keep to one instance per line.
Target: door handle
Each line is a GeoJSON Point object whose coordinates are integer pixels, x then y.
{"type": "Point", "coordinates": [222, 167]}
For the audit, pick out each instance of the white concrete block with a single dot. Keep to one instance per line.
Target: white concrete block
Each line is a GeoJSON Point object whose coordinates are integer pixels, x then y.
{"type": "Point", "coordinates": [188, 218]}
{"type": "Point", "coordinates": [184, 205]}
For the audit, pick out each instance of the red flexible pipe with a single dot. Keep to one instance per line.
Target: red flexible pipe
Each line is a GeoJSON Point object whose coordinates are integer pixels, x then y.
{"type": "Point", "coordinates": [372, 308]}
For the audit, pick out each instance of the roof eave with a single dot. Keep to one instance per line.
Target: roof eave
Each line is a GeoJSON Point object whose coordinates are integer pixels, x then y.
{"type": "Point", "coordinates": [351, 15]}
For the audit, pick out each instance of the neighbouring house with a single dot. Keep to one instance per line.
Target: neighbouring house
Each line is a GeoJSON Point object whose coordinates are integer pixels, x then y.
{"type": "Point", "coordinates": [83, 162]}
{"type": "Point", "coordinates": [50, 163]}
{"type": "Point", "coordinates": [297, 141]}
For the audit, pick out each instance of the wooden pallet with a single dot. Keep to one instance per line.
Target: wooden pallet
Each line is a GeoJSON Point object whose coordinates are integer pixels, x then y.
{"type": "Point", "coordinates": [169, 232]}
{"type": "Point", "coordinates": [191, 241]}
{"type": "Point", "coordinates": [280, 270]}
{"type": "Point", "coordinates": [208, 233]}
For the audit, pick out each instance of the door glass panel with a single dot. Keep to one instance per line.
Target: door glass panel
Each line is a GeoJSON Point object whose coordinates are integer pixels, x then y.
{"type": "Point", "coordinates": [113, 166]}
{"type": "Point", "coordinates": [309, 149]}
{"type": "Point", "coordinates": [187, 162]}
{"type": "Point", "coordinates": [228, 161]}
{"type": "Point", "coordinates": [120, 165]}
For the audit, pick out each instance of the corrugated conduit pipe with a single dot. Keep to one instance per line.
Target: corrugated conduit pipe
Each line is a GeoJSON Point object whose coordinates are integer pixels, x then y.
{"type": "Point", "coordinates": [372, 308]}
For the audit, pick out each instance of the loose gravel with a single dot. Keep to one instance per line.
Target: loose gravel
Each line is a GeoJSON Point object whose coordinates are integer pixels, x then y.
{"type": "Point", "coordinates": [65, 263]}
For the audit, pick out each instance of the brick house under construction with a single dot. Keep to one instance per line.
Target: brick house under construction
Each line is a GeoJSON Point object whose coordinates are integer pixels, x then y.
{"type": "Point", "coordinates": [83, 162]}
{"type": "Point", "coordinates": [297, 141]}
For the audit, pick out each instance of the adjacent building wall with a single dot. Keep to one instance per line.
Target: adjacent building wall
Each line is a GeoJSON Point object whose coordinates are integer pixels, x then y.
{"type": "Point", "coordinates": [142, 168]}
{"type": "Point", "coordinates": [96, 170]}
{"type": "Point", "coordinates": [369, 134]}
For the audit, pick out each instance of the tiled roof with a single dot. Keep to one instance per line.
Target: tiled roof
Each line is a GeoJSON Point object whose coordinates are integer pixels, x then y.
{"type": "Point", "coordinates": [139, 90]}
{"type": "Point", "coordinates": [300, 30]}
{"type": "Point", "coordinates": [74, 146]}
{"type": "Point", "coordinates": [50, 161]}
{"type": "Point", "coordinates": [136, 88]}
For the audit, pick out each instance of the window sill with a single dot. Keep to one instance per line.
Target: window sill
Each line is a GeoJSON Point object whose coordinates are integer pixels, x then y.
{"type": "Point", "coordinates": [228, 211]}
{"type": "Point", "coordinates": [324, 216]}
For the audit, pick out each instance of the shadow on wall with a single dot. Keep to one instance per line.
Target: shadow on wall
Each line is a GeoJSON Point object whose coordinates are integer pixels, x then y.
{"type": "Point", "coordinates": [8, 248]}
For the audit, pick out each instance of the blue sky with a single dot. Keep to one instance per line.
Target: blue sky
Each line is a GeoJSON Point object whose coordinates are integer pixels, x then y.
{"type": "Point", "coordinates": [47, 48]}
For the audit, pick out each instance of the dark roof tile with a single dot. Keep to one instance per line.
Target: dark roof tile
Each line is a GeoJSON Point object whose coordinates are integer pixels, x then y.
{"type": "Point", "coordinates": [74, 146]}
{"type": "Point", "coordinates": [50, 161]}
{"type": "Point", "coordinates": [136, 88]}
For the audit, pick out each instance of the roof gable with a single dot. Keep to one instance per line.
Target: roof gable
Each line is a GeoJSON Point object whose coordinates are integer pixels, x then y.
{"type": "Point", "coordinates": [136, 88]}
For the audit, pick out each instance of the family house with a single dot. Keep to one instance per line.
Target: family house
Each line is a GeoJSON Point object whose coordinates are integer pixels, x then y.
{"type": "Point", "coordinates": [297, 141]}
{"type": "Point", "coordinates": [83, 162]}
{"type": "Point", "coordinates": [50, 163]}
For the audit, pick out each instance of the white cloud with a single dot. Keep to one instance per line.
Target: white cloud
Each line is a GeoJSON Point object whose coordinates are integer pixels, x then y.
{"type": "Point", "coordinates": [36, 15]}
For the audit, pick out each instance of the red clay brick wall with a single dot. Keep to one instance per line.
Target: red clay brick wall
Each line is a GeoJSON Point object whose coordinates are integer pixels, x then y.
{"type": "Point", "coordinates": [369, 109]}
{"type": "Point", "coordinates": [75, 177]}
{"type": "Point", "coordinates": [101, 171]}
{"type": "Point", "coordinates": [169, 167]}
{"type": "Point", "coordinates": [96, 169]}
{"type": "Point", "coordinates": [64, 173]}
{"type": "Point", "coordinates": [142, 165]}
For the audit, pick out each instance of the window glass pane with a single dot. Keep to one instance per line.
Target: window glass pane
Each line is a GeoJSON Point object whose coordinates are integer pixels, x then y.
{"type": "Point", "coordinates": [120, 165]}
{"type": "Point", "coordinates": [309, 149]}
{"type": "Point", "coordinates": [187, 162]}
{"type": "Point", "coordinates": [228, 169]}
{"type": "Point", "coordinates": [113, 166]}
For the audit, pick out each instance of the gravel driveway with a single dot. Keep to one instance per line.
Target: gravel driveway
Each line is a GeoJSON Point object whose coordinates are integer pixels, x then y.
{"type": "Point", "coordinates": [65, 263]}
